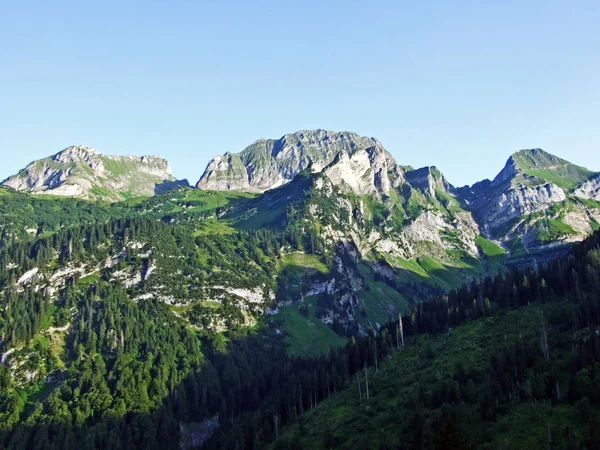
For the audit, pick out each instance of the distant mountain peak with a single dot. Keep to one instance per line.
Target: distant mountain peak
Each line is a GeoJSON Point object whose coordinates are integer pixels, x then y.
{"type": "Point", "coordinates": [80, 171]}
{"type": "Point", "coordinates": [533, 182]}
{"type": "Point", "coordinates": [78, 149]}
{"type": "Point", "coordinates": [536, 158]}
{"type": "Point", "coordinates": [534, 153]}
{"type": "Point", "coordinates": [267, 163]}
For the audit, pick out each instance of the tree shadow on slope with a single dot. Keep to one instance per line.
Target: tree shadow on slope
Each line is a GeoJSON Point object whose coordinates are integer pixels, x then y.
{"type": "Point", "coordinates": [167, 185]}
{"type": "Point", "coordinates": [225, 385]}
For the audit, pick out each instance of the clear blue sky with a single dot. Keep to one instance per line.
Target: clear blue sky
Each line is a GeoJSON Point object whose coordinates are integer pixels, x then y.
{"type": "Point", "coordinates": [456, 84]}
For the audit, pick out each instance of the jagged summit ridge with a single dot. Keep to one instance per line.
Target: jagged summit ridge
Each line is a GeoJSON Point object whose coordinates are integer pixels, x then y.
{"type": "Point", "coordinates": [80, 171]}
{"type": "Point", "coordinates": [535, 194]}
{"type": "Point", "coordinates": [268, 163]}
{"type": "Point", "coordinates": [353, 162]}
{"type": "Point", "coordinates": [534, 185]}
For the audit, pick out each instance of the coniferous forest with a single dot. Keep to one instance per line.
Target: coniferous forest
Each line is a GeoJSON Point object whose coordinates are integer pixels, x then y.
{"type": "Point", "coordinates": [136, 372]}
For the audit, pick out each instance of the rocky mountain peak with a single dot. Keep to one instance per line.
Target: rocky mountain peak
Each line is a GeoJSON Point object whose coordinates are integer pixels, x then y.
{"type": "Point", "coordinates": [83, 154]}
{"type": "Point", "coordinates": [353, 162]}
{"type": "Point", "coordinates": [532, 184]}
{"type": "Point", "coordinates": [268, 163]}
{"type": "Point", "coordinates": [77, 150]}
{"type": "Point", "coordinates": [534, 157]}
{"type": "Point", "coordinates": [80, 171]}
{"type": "Point", "coordinates": [428, 179]}
{"type": "Point", "coordinates": [532, 167]}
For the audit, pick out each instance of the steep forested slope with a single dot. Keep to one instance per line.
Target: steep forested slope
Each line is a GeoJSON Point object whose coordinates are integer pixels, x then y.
{"type": "Point", "coordinates": [467, 369]}
{"type": "Point", "coordinates": [510, 364]}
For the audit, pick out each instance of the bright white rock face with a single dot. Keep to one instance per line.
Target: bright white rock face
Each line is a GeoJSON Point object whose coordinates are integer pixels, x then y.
{"type": "Point", "coordinates": [517, 202]}
{"type": "Point", "coordinates": [589, 190]}
{"type": "Point", "coordinates": [267, 162]}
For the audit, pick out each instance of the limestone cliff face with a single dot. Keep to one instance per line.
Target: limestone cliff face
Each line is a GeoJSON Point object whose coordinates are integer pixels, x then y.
{"type": "Point", "coordinates": [589, 189]}
{"type": "Point", "coordinates": [512, 194]}
{"type": "Point", "coordinates": [365, 171]}
{"type": "Point", "coordinates": [520, 200]}
{"type": "Point", "coordinates": [80, 171]}
{"type": "Point", "coordinates": [226, 173]}
{"type": "Point", "coordinates": [269, 163]}
{"type": "Point", "coordinates": [428, 180]}
{"type": "Point", "coordinates": [430, 230]}
{"type": "Point", "coordinates": [534, 185]}
{"type": "Point", "coordinates": [355, 163]}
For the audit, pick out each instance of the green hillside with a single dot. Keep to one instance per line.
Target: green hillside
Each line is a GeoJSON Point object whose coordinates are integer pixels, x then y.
{"type": "Point", "coordinates": [540, 164]}
{"type": "Point", "coordinates": [135, 324]}
{"type": "Point", "coordinates": [440, 379]}
{"type": "Point", "coordinates": [488, 383]}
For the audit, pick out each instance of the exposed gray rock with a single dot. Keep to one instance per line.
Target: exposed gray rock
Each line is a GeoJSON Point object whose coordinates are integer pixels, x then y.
{"type": "Point", "coordinates": [532, 186]}
{"type": "Point", "coordinates": [226, 173]}
{"type": "Point", "coordinates": [516, 202]}
{"type": "Point", "coordinates": [366, 171]}
{"type": "Point", "coordinates": [589, 189]}
{"type": "Point", "coordinates": [428, 179]}
{"type": "Point", "coordinates": [269, 163]}
{"type": "Point", "coordinates": [512, 194]}
{"type": "Point", "coordinates": [80, 171]}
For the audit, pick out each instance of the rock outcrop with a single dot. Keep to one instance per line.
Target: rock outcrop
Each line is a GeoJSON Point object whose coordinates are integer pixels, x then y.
{"type": "Point", "coordinates": [269, 163]}
{"type": "Point", "coordinates": [365, 171]}
{"type": "Point", "coordinates": [428, 180]}
{"type": "Point", "coordinates": [589, 189]}
{"type": "Point", "coordinates": [533, 185]}
{"type": "Point", "coordinates": [80, 171]}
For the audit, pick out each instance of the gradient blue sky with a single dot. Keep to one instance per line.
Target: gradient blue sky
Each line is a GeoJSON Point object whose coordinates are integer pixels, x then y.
{"type": "Point", "coordinates": [459, 84]}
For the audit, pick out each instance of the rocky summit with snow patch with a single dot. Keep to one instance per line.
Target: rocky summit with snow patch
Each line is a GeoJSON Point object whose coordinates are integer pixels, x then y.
{"type": "Point", "coordinates": [82, 172]}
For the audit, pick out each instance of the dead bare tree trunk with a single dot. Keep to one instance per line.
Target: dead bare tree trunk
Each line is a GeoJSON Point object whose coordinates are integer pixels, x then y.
{"type": "Point", "coordinates": [367, 380]}
{"type": "Point", "coordinates": [401, 329]}
{"type": "Point", "coordinates": [544, 340]}
{"type": "Point", "coordinates": [359, 390]}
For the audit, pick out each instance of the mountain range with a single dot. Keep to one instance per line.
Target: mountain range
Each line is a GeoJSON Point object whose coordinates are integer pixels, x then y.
{"type": "Point", "coordinates": [531, 183]}
{"type": "Point", "coordinates": [536, 201]}
{"type": "Point", "coordinates": [125, 292]}
{"type": "Point", "coordinates": [379, 227]}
